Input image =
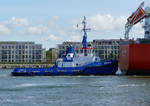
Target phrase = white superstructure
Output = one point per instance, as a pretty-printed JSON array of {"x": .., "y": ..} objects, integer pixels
[
  {"x": 84, "y": 57},
  {"x": 147, "y": 23}
]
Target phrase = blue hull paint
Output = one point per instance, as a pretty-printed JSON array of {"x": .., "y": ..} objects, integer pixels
[{"x": 98, "y": 68}]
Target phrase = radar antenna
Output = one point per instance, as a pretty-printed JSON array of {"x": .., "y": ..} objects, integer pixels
[{"x": 84, "y": 41}]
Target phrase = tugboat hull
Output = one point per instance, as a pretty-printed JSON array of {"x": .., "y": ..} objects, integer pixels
[{"x": 102, "y": 69}]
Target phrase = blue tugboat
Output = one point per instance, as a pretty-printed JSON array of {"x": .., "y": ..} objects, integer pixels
[{"x": 82, "y": 63}]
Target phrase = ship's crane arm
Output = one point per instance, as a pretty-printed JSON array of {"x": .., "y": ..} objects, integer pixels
[{"x": 136, "y": 17}]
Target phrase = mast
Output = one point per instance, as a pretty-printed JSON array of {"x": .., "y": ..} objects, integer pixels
[{"x": 84, "y": 41}]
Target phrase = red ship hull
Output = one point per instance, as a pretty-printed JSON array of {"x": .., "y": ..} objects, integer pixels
[{"x": 134, "y": 59}]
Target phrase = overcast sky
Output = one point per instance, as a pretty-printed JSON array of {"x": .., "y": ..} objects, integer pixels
[{"x": 51, "y": 22}]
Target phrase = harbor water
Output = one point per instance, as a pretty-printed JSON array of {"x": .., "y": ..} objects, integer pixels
[{"x": 74, "y": 90}]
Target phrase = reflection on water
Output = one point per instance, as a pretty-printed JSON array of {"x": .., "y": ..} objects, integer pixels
[{"x": 74, "y": 90}]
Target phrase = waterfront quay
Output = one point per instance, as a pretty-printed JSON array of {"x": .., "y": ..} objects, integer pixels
[{"x": 11, "y": 66}]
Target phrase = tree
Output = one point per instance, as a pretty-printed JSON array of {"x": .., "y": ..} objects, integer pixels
[
  {"x": 49, "y": 56},
  {"x": 111, "y": 56}
]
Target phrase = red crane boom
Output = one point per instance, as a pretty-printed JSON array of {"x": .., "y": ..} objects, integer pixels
[{"x": 136, "y": 17}]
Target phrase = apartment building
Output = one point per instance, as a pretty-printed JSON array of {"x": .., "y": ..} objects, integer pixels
[
  {"x": 21, "y": 52},
  {"x": 106, "y": 48}
]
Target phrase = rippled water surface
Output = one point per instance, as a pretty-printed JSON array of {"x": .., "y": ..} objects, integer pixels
[{"x": 74, "y": 91}]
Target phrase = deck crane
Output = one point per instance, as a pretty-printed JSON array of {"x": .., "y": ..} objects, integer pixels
[{"x": 136, "y": 17}]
